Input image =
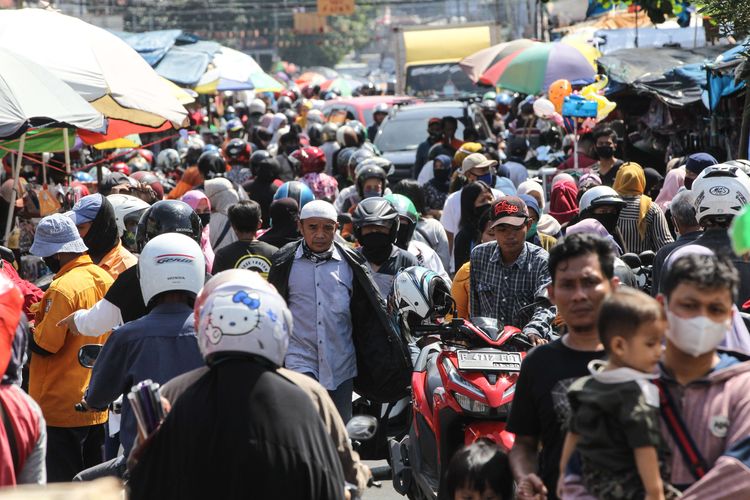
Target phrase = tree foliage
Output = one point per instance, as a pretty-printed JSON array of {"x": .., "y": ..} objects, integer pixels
[{"x": 732, "y": 16}]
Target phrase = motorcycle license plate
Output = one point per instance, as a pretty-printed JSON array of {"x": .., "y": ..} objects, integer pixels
[{"x": 489, "y": 360}]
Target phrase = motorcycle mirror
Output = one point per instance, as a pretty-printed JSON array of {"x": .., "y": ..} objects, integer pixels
[
  {"x": 647, "y": 257},
  {"x": 87, "y": 355},
  {"x": 362, "y": 427},
  {"x": 632, "y": 260}
]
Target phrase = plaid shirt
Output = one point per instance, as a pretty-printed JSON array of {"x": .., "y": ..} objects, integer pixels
[{"x": 502, "y": 292}]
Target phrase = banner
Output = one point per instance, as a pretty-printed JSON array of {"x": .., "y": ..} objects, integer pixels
[
  {"x": 309, "y": 23},
  {"x": 335, "y": 7}
]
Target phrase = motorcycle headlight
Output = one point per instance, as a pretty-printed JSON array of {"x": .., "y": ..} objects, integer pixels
[{"x": 471, "y": 405}]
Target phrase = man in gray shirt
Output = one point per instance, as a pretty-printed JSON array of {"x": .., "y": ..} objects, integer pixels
[{"x": 334, "y": 302}]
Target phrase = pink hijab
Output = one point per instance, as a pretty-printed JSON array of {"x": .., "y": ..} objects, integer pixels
[
  {"x": 673, "y": 182},
  {"x": 193, "y": 198}
]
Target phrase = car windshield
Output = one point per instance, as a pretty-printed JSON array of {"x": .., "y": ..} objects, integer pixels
[{"x": 406, "y": 130}]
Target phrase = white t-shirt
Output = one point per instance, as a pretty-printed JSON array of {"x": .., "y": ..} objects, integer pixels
[
  {"x": 427, "y": 257},
  {"x": 452, "y": 210}
]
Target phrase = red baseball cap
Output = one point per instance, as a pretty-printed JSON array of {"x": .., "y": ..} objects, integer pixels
[{"x": 509, "y": 210}]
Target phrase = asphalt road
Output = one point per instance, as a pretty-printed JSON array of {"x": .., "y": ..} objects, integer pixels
[{"x": 386, "y": 491}]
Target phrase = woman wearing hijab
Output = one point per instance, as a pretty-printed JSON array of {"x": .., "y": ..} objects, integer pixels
[
  {"x": 563, "y": 200},
  {"x": 221, "y": 195},
  {"x": 436, "y": 189},
  {"x": 547, "y": 224},
  {"x": 94, "y": 217},
  {"x": 200, "y": 203},
  {"x": 641, "y": 223},
  {"x": 654, "y": 182},
  {"x": 476, "y": 198},
  {"x": 673, "y": 182},
  {"x": 284, "y": 214},
  {"x": 533, "y": 235}
]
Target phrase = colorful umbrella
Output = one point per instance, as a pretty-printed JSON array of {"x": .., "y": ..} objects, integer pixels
[
  {"x": 98, "y": 65},
  {"x": 46, "y": 140},
  {"x": 477, "y": 63},
  {"x": 342, "y": 86},
  {"x": 533, "y": 69},
  {"x": 32, "y": 97},
  {"x": 310, "y": 78},
  {"x": 263, "y": 82}
]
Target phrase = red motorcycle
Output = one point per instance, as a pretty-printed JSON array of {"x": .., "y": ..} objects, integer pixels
[{"x": 462, "y": 388}]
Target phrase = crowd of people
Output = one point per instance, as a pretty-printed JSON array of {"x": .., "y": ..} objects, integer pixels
[{"x": 248, "y": 271}]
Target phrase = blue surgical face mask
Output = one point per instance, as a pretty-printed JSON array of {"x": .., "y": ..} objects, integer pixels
[
  {"x": 487, "y": 179},
  {"x": 370, "y": 193}
]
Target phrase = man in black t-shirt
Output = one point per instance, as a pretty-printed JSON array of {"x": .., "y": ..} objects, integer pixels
[
  {"x": 247, "y": 252},
  {"x": 582, "y": 269}
]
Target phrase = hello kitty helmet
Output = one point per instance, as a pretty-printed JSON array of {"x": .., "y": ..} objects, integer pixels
[{"x": 238, "y": 311}]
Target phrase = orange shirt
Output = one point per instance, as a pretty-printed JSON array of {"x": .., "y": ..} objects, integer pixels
[
  {"x": 57, "y": 382},
  {"x": 117, "y": 260},
  {"x": 190, "y": 179},
  {"x": 460, "y": 291}
]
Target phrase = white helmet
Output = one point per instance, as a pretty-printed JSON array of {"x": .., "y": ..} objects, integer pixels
[
  {"x": 419, "y": 294},
  {"x": 127, "y": 209},
  {"x": 171, "y": 262},
  {"x": 239, "y": 311},
  {"x": 720, "y": 190},
  {"x": 600, "y": 195},
  {"x": 257, "y": 106}
]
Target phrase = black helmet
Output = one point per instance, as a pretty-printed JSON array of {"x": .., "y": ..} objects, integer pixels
[
  {"x": 370, "y": 172},
  {"x": 168, "y": 216},
  {"x": 358, "y": 157},
  {"x": 329, "y": 131},
  {"x": 342, "y": 160},
  {"x": 263, "y": 165},
  {"x": 193, "y": 153},
  {"x": 238, "y": 150},
  {"x": 283, "y": 103},
  {"x": 359, "y": 129},
  {"x": 315, "y": 133},
  {"x": 211, "y": 163},
  {"x": 375, "y": 161},
  {"x": 375, "y": 211}
]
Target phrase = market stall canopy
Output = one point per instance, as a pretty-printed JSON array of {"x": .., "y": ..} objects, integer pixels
[
  {"x": 32, "y": 97},
  {"x": 46, "y": 140},
  {"x": 676, "y": 76},
  {"x": 723, "y": 79},
  {"x": 98, "y": 65},
  {"x": 151, "y": 45}
]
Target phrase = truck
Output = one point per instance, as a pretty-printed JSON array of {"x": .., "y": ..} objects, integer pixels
[{"x": 427, "y": 57}]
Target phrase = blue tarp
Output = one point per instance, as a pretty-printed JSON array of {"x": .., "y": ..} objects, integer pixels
[
  {"x": 175, "y": 55},
  {"x": 723, "y": 85}
]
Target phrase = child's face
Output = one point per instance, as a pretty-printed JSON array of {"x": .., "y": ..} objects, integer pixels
[
  {"x": 472, "y": 494},
  {"x": 643, "y": 350}
]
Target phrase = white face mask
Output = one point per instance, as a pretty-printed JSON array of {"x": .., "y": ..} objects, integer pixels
[{"x": 695, "y": 336}]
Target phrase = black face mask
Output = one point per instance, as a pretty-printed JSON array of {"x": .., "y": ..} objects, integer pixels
[
  {"x": 205, "y": 218},
  {"x": 609, "y": 221},
  {"x": 478, "y": 211},
  {"x": 53, "y": 263},
  {"x": 404, "y": 235},
  {"x": 442, "y": 175},
  {"x": 605, "y": 152},
  {"x": 376, "y": 247}
]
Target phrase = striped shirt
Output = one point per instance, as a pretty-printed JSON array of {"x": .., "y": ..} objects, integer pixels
[
  {"x": 504, "y": 291},
  {"x": 657, "y": 231}
]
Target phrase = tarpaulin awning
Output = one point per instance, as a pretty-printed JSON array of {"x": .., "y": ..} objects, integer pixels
[
  {"x": 722, "y": 80},
  {"x": 674, "y": 75},
  {"x": 152, "y": 45}
]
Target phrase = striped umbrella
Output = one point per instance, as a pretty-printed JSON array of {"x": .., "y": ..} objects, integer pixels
[
  {"x": 533, "y": 69},
  {"x": 478, "y": 62}
]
